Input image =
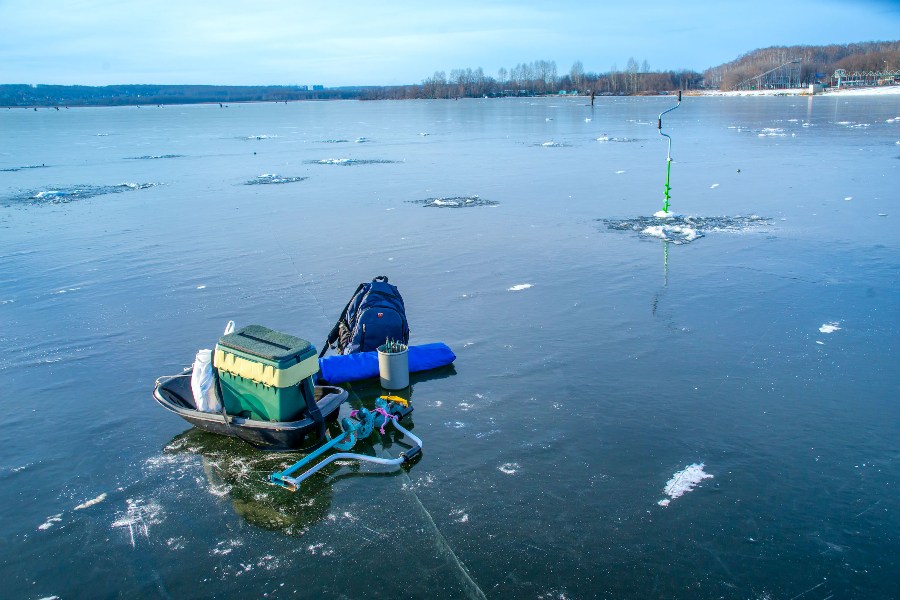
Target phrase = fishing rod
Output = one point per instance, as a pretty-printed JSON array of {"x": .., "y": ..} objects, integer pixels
[{"x": 667, "y": 187}]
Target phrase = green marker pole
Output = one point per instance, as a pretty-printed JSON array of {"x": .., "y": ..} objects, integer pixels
[{"x": 667, "y": 187}]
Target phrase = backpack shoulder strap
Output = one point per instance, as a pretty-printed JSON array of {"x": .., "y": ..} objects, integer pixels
[{"x": 333, "y": 334}]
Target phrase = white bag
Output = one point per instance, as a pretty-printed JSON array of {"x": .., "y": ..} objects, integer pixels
[{"x": 203, "y": 381}]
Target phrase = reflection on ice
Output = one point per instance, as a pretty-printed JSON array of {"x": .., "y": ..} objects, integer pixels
[{"x": 680, "y": 229}]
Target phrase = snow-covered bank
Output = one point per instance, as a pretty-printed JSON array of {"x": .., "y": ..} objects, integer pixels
[{"x": 867, "y": 91}]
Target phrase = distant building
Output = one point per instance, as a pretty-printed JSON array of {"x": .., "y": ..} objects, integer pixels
[{"x": 318, "y": 88}]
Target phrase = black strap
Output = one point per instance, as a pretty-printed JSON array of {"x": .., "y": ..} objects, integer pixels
[
  {"x": 235, "y": 430},
  {"x": 313, "y": 409},
  {"x": 333, "y": 334},
  {"x": 315, "y": 413}
]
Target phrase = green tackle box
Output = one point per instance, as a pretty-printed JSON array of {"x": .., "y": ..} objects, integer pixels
[{"x": 265, "y": 375}]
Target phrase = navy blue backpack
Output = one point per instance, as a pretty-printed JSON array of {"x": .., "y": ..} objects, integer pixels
[{"x": 374, "y": 314}]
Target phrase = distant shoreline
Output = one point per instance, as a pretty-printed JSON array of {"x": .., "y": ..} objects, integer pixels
[{"x": 867, "y": 91}]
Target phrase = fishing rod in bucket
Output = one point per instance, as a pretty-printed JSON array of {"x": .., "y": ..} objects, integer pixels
[{"x": 667, "y": 188}]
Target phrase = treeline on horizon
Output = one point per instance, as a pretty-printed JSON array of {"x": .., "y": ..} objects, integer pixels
[
  {"x": 865, "y": 56},
  {"x": 540, "y": 77}
]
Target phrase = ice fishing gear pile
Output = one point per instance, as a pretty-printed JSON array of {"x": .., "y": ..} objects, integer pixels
[{"x": 359, "y": 426}]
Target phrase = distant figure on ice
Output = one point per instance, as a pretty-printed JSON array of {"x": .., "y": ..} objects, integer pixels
[{"x": 592, "y": 97}]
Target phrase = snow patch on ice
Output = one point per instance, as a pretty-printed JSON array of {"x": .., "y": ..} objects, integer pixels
[
  {"x": 139, "y": 515},
  {"x": 50, "y": 522},
  {"x": 459, "y": 516},
  {"x": 672, "y": 233},
  {"x": 92, "y": 502},
  {"x": 519, "y": 287},
  {"x": 830, "y": 327},
  {"x": 509, "y": 468},
  {"x": 683, "y": 482}
]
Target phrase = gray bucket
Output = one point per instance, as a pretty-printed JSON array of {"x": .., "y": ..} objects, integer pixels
[{"x": 394, "y": 369}]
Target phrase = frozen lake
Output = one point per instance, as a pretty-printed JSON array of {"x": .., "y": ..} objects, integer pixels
[{"x": 712, "y": 416}]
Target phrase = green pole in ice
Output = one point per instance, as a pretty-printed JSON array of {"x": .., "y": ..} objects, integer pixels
[{"x": 667, "y": 187}]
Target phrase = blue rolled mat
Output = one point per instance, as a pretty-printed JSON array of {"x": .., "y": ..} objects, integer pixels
[{"x": 364, "y": 365}]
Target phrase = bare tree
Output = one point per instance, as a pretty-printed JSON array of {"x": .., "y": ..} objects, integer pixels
[{"x": 576, "y": 73}]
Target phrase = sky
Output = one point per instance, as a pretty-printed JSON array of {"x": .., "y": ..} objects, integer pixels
[{"x": 392, "y": 42}]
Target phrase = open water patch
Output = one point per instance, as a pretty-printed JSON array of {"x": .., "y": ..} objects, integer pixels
[
  {"x": 271, "y": 178},
  {"x": 455, "y": 202},
  {"x": 681, "y": 229},
  {"x": 349, "y": 162},
  {"x": 71, "y": 193}
]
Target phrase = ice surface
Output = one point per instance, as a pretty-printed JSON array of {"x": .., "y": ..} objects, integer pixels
[{"x": 683, "y": 482}]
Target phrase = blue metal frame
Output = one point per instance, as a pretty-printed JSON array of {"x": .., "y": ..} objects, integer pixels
[{"x": 357, "y": 428}]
